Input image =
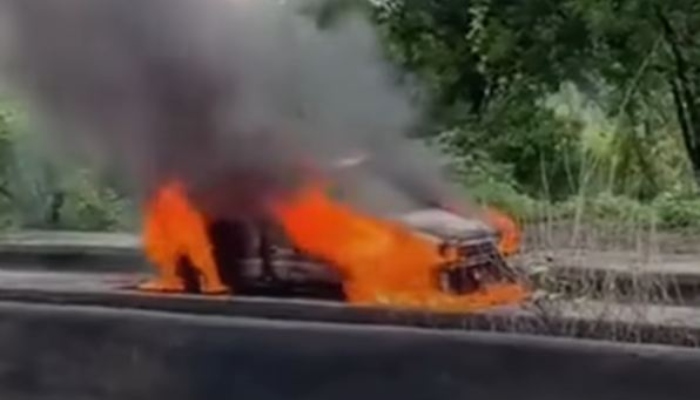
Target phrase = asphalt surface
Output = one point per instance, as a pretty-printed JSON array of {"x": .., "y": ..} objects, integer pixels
[
  {"x": 72, "y": 353},
  {"x": 637, "y": 323},
  {"x": 70, "y": 334}
]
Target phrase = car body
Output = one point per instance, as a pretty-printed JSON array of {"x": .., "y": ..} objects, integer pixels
[{"x": 258, "y": 258}]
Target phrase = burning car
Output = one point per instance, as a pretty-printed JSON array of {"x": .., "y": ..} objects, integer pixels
[{"x": 315, "y": 246}]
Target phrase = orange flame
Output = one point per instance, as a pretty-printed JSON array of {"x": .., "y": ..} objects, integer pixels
[
  {"x": 174, "y": 230},
  {"x": 382, "y": 262},
  {"x": 508, "y": 230}
]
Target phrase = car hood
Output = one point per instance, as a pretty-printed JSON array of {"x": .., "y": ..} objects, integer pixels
[{"x": 445, "y": 224}]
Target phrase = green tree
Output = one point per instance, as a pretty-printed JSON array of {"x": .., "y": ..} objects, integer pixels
[{"x": 490, "y": 63}]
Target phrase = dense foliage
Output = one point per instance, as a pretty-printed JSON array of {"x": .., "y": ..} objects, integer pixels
[{"x": 541, "y": 100}]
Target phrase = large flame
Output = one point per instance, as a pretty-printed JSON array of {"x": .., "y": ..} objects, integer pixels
[
  {"x": 175, "y": 230},
  {"x": 381, "y": 261}
]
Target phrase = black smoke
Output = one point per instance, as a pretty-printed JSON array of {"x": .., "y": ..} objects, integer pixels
[{"x": 238, "y": 98}]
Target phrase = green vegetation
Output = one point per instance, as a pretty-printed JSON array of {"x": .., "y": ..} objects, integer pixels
[
  {"x": 551, "y": 110},
  {"x": 39, "y": 192}
]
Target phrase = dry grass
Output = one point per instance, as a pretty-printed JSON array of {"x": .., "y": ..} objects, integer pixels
[{"x": 622, "y": 280}]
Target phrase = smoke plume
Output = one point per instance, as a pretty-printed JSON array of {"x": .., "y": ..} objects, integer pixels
[{"x": 238, "y": 98}]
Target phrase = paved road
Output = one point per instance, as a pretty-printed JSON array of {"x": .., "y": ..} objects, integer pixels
[
  {"x": 82, "y": 335},
  {"x": 75, "y": 352},
  {"x": 624, "y": 322}
]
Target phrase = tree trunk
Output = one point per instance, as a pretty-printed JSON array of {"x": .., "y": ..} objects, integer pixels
[{"x": 685, "y": 96}]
